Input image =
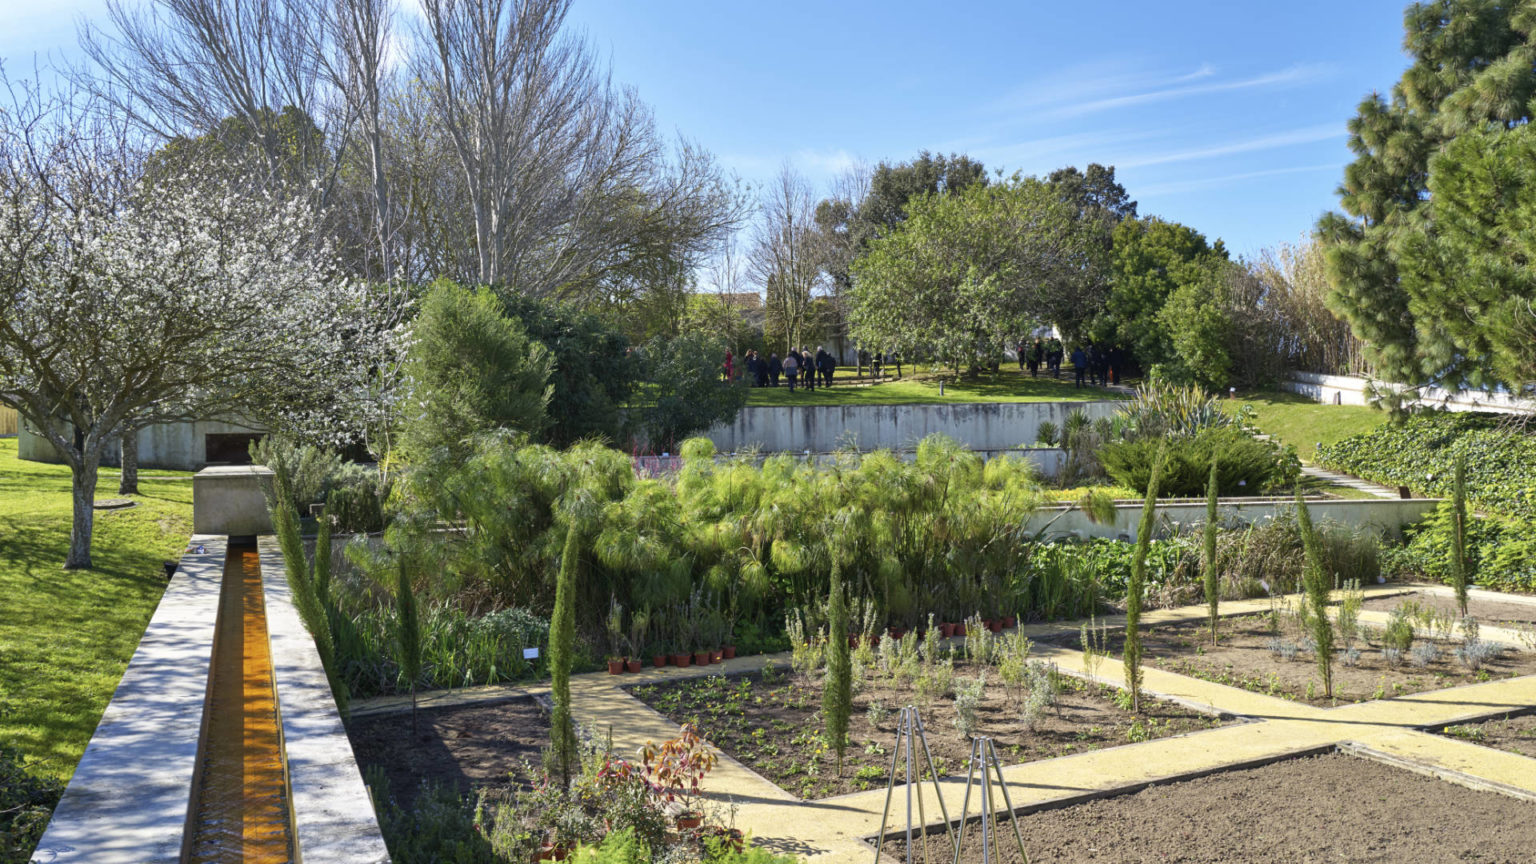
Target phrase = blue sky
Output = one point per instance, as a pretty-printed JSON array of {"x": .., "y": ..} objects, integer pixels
[{"x": 1228, "y": 116}]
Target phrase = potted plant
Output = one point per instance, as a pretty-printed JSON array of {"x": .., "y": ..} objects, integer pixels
[
  {"x": 678, "y": 768},
  {"x": 639, "y": 623}
]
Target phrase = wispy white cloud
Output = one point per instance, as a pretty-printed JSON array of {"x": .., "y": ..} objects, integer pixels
[
  {"x": 1176, "y": 187},
  {"x": 1090, "y": 81},
  {"x": 1305, "y": 135},
  {"x": 1055, "y": 151},
  {"x": 1291, "y": 76}
]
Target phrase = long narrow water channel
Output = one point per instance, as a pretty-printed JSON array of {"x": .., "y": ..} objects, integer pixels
[{"x": 241, "y": 807}]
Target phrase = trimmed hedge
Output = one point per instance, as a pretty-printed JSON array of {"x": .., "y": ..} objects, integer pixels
[{"x": 1420, "y": 453}]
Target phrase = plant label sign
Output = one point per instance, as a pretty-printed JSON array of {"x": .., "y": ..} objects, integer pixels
[{"x": 530, "y": 653}]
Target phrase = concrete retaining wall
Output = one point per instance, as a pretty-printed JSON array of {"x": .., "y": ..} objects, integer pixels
[
  {"x": 333, "y": 815},
  {"x": 824, "y": 428},
  {"x": 170, "y": 446},
  {"x": 1386, "y": 516},
  {"x": 1351, "y": 390},
  {"x": 129, "y": 798},
  {"x": 227, "y": 499}
]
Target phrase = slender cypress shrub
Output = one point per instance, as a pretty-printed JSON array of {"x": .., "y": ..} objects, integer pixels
[
  {"x": 1459, "y": 533},
  {"x": 320, "y": 575},
  {"x": 837, "y": 690},
  {"x": 297, "y": 570},
  {"x": 1212, "y": 578},
  {"x": 1315, "y": 584},
  {"x": 1137, "y": 585},
  {"x": 562, "y": 643},
  {"x": 408, "y": 631}
]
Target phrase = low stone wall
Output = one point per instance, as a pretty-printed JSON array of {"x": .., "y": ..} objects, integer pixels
[
  {"x": 1385, "y": 516},
  {"x": 333, "y": 815},
  {"x": 1351, "y": 390},
  {"x": 227, "y": 499},
  {"x": 129, "y": 799},
  {"x": 825, "y": 428}
]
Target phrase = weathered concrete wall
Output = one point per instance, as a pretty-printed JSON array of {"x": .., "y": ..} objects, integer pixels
[
  {"x": 333, "y": 815},
  {"x": 1350, "y": 390},
  {"x": 823, "y": 428},
  {"x": 128, "y": 800},
  {"x": 170, "y": 446},
  {"x": 1385, "y": 516},
  {"x": 227, "y": 499}
]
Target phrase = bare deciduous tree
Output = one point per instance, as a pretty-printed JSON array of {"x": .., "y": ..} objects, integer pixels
[{"x": 786, "y": 258}]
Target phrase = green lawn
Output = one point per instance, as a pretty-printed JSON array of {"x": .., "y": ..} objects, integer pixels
[
  {"x": 66, "y": 636},
  {"x": 1008, "y": 385},
  {"x": 1295, "y": 419}
]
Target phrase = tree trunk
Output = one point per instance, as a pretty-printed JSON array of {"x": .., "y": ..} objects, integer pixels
[
  {"x": 128, "y": 445},
  {"x": 83, "y": 489}
]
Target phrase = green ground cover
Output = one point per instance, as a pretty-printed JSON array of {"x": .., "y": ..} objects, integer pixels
[
  {"x": 1008, "y": 385},
  {"x": 1295, "y": 419},
  {"x": 66, "y": 636}
]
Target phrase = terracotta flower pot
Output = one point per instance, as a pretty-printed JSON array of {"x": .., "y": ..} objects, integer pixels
[
  {"x": 898, "y": 632},
  {"x": 729, "y": 652},
  {"x": 551, "y": 852},
  {"x": 701, "y": 658},
  {"x": 615, "y": 667},
  {"x": 632, "y": 666},
  {"x": 689, "y": 819},
  {"x": 682, "y": 660},
  {"x": 960, "y": 629},
  {"x": 946, "y": 630},
  {"x": 995, "y": 625},
  {"x": 853, "y": 640},
  {"x": 729, "y": 838},
  {"x": 716, "y": 655},
  {"x": 1010, "y": 620},
  {"x": 659, "y": 660}
]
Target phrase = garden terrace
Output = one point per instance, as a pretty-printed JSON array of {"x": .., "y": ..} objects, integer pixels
[
  {"x": 1330, "y": 807},
  {"x": 1276, "y": 729}
]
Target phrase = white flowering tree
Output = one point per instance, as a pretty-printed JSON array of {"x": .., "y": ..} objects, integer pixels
[{"x": 128, "y": 298}]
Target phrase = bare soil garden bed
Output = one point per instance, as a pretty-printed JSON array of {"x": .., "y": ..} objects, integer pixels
[
  {"x": 1249, "y": 657},
  {"x": 1488, "y": 610},
  {"x": 775, "y": 727},
  {"x": 465, "y": 747},
  {"x": 1325, "y": 808},
  {"x": 1515, "y": 733}
]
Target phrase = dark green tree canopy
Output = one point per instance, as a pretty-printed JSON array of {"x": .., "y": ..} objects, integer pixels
[
  {"x": 1152, "y": 260},
  {"x": 1473, "y": 71}
]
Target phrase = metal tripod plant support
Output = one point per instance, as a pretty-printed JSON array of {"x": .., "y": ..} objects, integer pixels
[
  {"x": 984, "y": 756},
  {"x": 909, "y": 733}
]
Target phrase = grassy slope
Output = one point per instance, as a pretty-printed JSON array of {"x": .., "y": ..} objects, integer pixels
[
  {"x": 1009, "y": 385},
  {"x": 67, "y": 636},
  {"x": 1295, "y": 419}
]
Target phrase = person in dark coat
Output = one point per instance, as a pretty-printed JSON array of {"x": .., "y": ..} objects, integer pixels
[
  {"x": 1023, "y": 355},
  {"x": 1102, "y": 369},
  {"x": 828, "y": 365},
  {"x": 1053, "y": 352},
  {"x": 775, "y": 369},
  {"x": 807, "y": 369},
  {"x": 1079, "y": 364},
  {"x": 791, "y": 368},
  {"x": 1093, "y": 364}
]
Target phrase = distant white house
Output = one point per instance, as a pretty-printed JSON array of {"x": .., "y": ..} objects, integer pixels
[{"x": 171, "y": 446}]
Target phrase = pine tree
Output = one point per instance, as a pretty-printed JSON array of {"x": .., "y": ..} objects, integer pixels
[
  {"x": 1459, "y": 534},
  {"x": 1431, "y": 308},
  {"x": 1212, "y": 578},
  {"x": 1137, "y": 586},
  {"x": 837, "y": 692},
  {"x": 562, "y": 643},
  {"x": 1315, "y": 584}
]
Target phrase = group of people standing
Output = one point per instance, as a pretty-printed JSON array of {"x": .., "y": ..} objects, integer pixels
[
  {"x": 1046, "y": 352},
  {"x": 796, "y": 367},
  {"x": 1098, "y": 364}
]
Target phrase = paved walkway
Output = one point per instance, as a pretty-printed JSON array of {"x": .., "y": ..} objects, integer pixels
[
  {"x": 1373, "y": 489},
  {"x": 830, "y": 830}
]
